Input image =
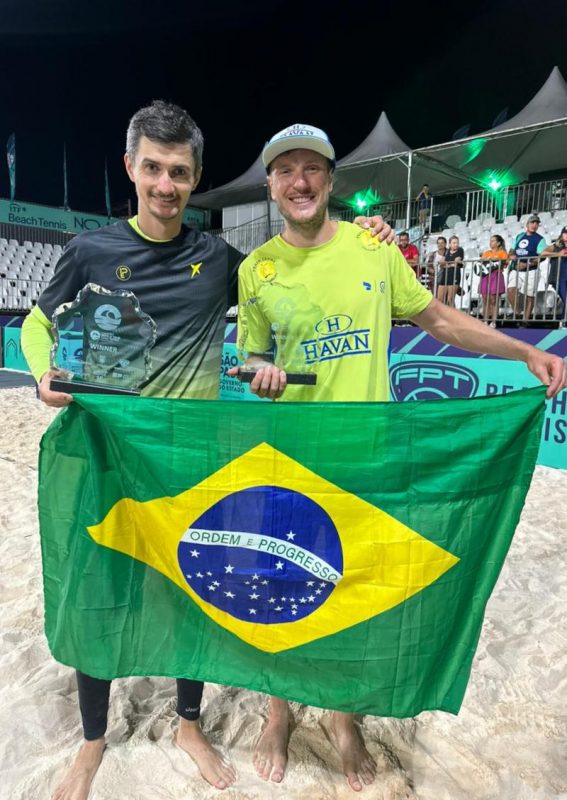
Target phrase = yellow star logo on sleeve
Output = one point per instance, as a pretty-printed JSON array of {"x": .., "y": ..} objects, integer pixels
[
  {"x": 274, "y": 553},
  {"x": 196, "y": 269}
]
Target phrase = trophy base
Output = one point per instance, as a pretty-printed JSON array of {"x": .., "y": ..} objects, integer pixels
[
  {"x": 303, "y": 378},
  {"x": 76, "y": 387}
]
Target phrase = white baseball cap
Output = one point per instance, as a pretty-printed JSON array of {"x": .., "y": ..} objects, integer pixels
[{"x": 295, "y": 137}]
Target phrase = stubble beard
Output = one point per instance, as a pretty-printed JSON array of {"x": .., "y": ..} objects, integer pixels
[{"x": 308, "y": 226}]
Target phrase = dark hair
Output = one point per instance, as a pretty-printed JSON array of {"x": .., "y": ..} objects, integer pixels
[
  {"x": 404, "y": 233},
  {"x": 499, "y": 239},
  {"x": 442, "y": 237},
  {"x": 165, "y": 123}
]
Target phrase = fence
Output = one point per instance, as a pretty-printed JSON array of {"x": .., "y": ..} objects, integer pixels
[
  {"x": 22, "y": 233},
  {"x": 500, "y": 293}
]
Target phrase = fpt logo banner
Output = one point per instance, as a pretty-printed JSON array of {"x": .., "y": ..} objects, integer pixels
[
  {"x": 415, "y": 377},
  {"x": 274, "y": 553},
  {"x": 430, "y": 380}
]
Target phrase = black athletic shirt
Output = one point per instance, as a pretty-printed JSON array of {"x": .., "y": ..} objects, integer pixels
[{"x": 185, "y": 285}]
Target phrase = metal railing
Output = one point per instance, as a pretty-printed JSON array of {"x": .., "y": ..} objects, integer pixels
[
  {"x": 524, "y": 291},
  {"x": 22, "y": 233},
  {"x": 521, "y": 199}
]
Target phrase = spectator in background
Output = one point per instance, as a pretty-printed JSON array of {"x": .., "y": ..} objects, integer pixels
[
  {"x": 409, "y": 251},
  {"x": 449, "y": 278},
  {"x": 424, "y": 202},
  {"x": 523, "y": 273},
  {"x": 492, "y": 283},
  {"x": 435, "y": 258},
  {"x": 557, "y": 253}
]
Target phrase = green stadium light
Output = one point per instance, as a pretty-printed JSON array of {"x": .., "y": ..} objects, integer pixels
[
  {"x": 364, "y": 199},
  {"x": 494, "y": 185}
]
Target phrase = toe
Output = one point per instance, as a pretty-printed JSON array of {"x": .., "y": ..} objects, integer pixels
[
  {"x": 277, "y": 775},
  {"x": 354, "y": 782}
]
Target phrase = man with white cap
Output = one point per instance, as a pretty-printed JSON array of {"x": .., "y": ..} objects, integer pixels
[
  {"x": 523, "y": 272},
  {"x": 320, "y": 298}
]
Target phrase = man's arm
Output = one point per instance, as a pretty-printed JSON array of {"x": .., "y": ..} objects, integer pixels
[
  {"x": 36, "y": 344},
  {"x": 460, "y": 330}
]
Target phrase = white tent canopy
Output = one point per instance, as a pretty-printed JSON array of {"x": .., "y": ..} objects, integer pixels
[
  {"x": 381, "y": 141},
  {"x": 247, "y": 188},
  {"x": 531, "y": 142},
  {"x": 549, "y": 104}
]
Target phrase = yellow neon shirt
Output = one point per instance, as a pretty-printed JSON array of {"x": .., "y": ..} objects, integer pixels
[{"x": 328, "y": 310}]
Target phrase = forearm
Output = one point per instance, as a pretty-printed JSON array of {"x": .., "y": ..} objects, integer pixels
[
  {"x": 458, "y": 329},
  {"x": 36, "y": 342}
]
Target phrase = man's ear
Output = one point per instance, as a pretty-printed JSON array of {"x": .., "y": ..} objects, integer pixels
[
  {"x": 129, "y": 166},
  {"x": 197, "y": 178}
]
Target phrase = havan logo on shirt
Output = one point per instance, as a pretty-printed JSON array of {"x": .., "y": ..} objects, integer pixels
[{"x": 335, "y": 340}]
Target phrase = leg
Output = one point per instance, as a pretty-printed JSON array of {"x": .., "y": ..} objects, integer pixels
[
  {"x": 93, "y": 703},
  {"x": 190, "y": 738},
  {"x": 358, "y": 765},
  {"x": 270, "y": 753},
  {"x": 485, "y": 304},
  {"x": 451, "y": 292},
  {"x": 528, "y": 306}
]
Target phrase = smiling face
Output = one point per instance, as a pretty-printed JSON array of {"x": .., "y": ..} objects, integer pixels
[
  {"x": 300, "y": 182},
  {"x": 404, "y": 240},
  {"x": 164, "y": 176}
]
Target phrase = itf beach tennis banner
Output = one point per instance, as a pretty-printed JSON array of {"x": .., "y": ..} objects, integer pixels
[{"x": 340, "y": 555}]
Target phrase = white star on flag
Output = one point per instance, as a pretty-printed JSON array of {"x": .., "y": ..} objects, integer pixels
[
  {"x": 229, "y": 568},
  {"x": 279, "y": 564},
  {"x": 290, "y": 536},
  {"x": 195, "y": 553}
]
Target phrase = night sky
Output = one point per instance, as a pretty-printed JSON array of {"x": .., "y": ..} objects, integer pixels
[{"x": 74, "y": 71}]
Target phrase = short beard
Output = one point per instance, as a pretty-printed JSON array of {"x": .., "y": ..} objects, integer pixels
[{"x": 309, "y": 226}]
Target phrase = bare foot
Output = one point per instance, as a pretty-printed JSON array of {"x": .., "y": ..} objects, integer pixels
[
  {"x": 270, "y": 753},
  {"x": 357, "y": 762},
  {"x": 77, "y": 782},
  {"x": 210, "y": 763}
]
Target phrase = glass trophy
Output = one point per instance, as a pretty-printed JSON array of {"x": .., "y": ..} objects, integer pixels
[{"x": 102, "y": 343}]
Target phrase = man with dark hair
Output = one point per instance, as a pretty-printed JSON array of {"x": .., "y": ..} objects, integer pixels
[
  {"x": 409, "y": 251},
  {"x": 185, "y": 280},
  {"x": 320, "y": 298}
]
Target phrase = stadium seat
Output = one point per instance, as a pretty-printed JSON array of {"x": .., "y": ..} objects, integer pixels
[{"x": 453, "y": 220}]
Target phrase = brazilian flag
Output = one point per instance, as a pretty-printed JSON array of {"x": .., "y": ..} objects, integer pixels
[{"x": 340, "y": 555}]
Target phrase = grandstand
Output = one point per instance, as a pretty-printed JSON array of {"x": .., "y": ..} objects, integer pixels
[{"x": 25, "y": 270}]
